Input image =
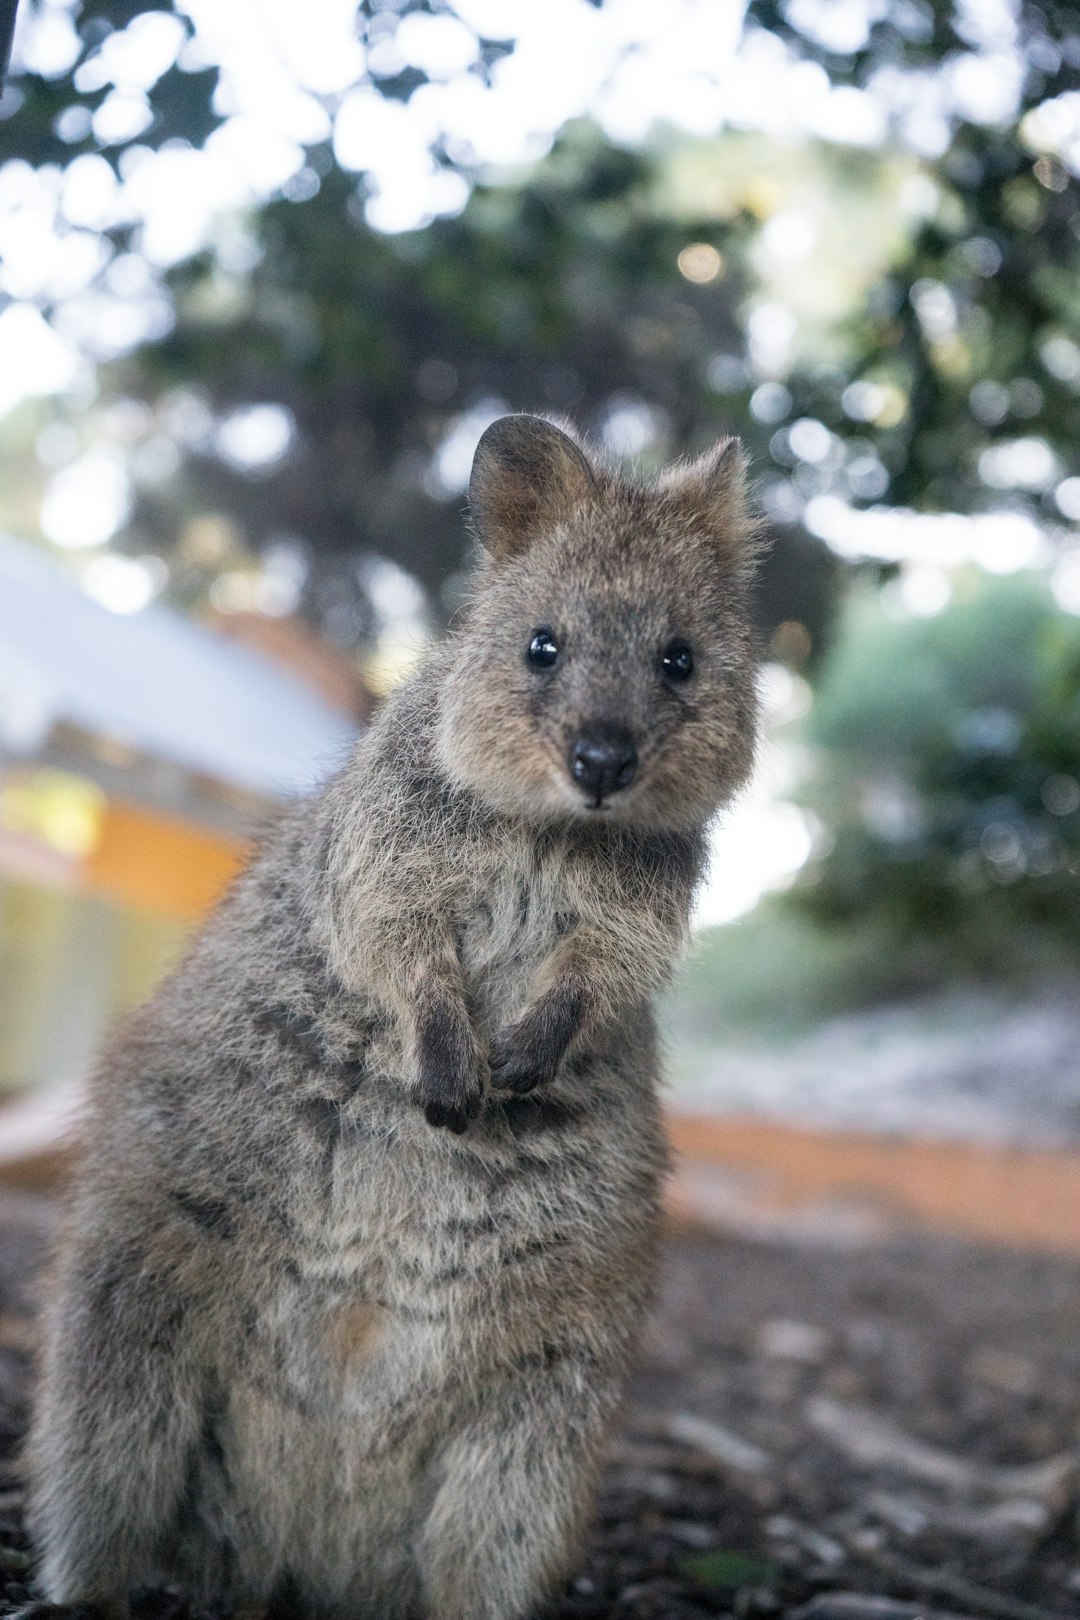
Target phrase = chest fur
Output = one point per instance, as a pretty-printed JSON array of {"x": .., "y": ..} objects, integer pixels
[{"x": 522, "y": 900}]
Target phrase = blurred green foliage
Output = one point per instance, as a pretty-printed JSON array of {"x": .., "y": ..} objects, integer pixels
[
  {"x": 728, "y": 1569},
  {"x": 976, "y": 321},
  {"x": 776, "y": 972},
  {"x": 554, "y": 292},
  {"x": 947, "y": 749},
  {"x": 560, "y": 290},
  {"x": 946, "y": 771}
]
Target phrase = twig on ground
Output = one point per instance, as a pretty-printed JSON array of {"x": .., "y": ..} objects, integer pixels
[
  {"x": 867, "y": 1437},
  {"x": 718, "y": 1443}
]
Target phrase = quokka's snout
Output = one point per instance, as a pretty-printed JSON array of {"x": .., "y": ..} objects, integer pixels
[{"x": 603, "y": 759}]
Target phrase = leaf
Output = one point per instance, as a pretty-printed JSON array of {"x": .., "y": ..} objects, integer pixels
[{"x": 728, "y": 1568}]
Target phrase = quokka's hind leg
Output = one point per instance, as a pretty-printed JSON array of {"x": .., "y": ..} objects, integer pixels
[
  {"x": 118, "y": 1412},
  {"x": 515, "y": 1491}
]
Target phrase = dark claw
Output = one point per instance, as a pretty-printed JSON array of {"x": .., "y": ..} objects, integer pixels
[
  {"x": 445, "y": 1114},
  {"x": 450, "y": 1108},
  {"x": 515, "y": 1073}
]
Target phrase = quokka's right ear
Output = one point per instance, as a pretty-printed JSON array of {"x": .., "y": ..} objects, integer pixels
[
  {"x": 527, "y": 475},
  {"x": 712, "y": 492}
]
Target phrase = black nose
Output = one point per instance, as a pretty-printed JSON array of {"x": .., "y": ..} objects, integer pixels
[{"x": 603, "y": 760}]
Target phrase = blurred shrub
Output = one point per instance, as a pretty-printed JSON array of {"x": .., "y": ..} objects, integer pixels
[
  {"x": 305, "y": 388},
  {"x": 774, "y": 974},
  {"x": 946, "y": 772}
]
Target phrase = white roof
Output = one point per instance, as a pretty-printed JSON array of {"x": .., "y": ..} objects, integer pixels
[{"x": 156, "y": 681}]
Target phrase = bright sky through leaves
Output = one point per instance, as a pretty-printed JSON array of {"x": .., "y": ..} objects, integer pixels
[{"x": 71, "y": 299}]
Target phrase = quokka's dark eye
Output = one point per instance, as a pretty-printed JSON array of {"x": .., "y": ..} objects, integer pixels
[
  {"x": 543, "y": 649},
  {"x": 677, "y": 661}
]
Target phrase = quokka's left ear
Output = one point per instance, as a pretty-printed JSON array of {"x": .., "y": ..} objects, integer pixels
[
  {"x": 528, "y": 475},
  {"x": 712, "y": 492}
]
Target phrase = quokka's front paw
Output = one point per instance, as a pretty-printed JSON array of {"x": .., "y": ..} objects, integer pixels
[
  {"x": 519, "y": 1064},
  {"x": 450, "y": 1106},
  {"x": 449, "y": 1082}
]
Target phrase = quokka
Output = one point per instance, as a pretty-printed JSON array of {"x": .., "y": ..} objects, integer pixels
[{"x": 364, "y": 1229}]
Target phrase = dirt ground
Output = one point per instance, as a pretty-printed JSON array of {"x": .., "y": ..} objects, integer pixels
[{"x": 814, "y": 1428}]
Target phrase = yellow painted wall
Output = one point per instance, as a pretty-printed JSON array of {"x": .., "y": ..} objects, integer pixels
[
  {"x": 70, "y": 963},
  {"x": 89, "y": 939}
]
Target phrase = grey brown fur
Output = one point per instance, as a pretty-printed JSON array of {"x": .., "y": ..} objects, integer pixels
[{"x": 307, "y": 1344}]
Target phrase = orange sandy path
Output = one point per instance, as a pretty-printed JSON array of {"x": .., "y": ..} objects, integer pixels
[
  {"x": 738, "y": 1173},
  {"x": 1020, "y": 1197}
]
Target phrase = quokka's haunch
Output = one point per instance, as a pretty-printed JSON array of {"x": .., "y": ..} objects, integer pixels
[{"x": 364, "y": 1230}]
